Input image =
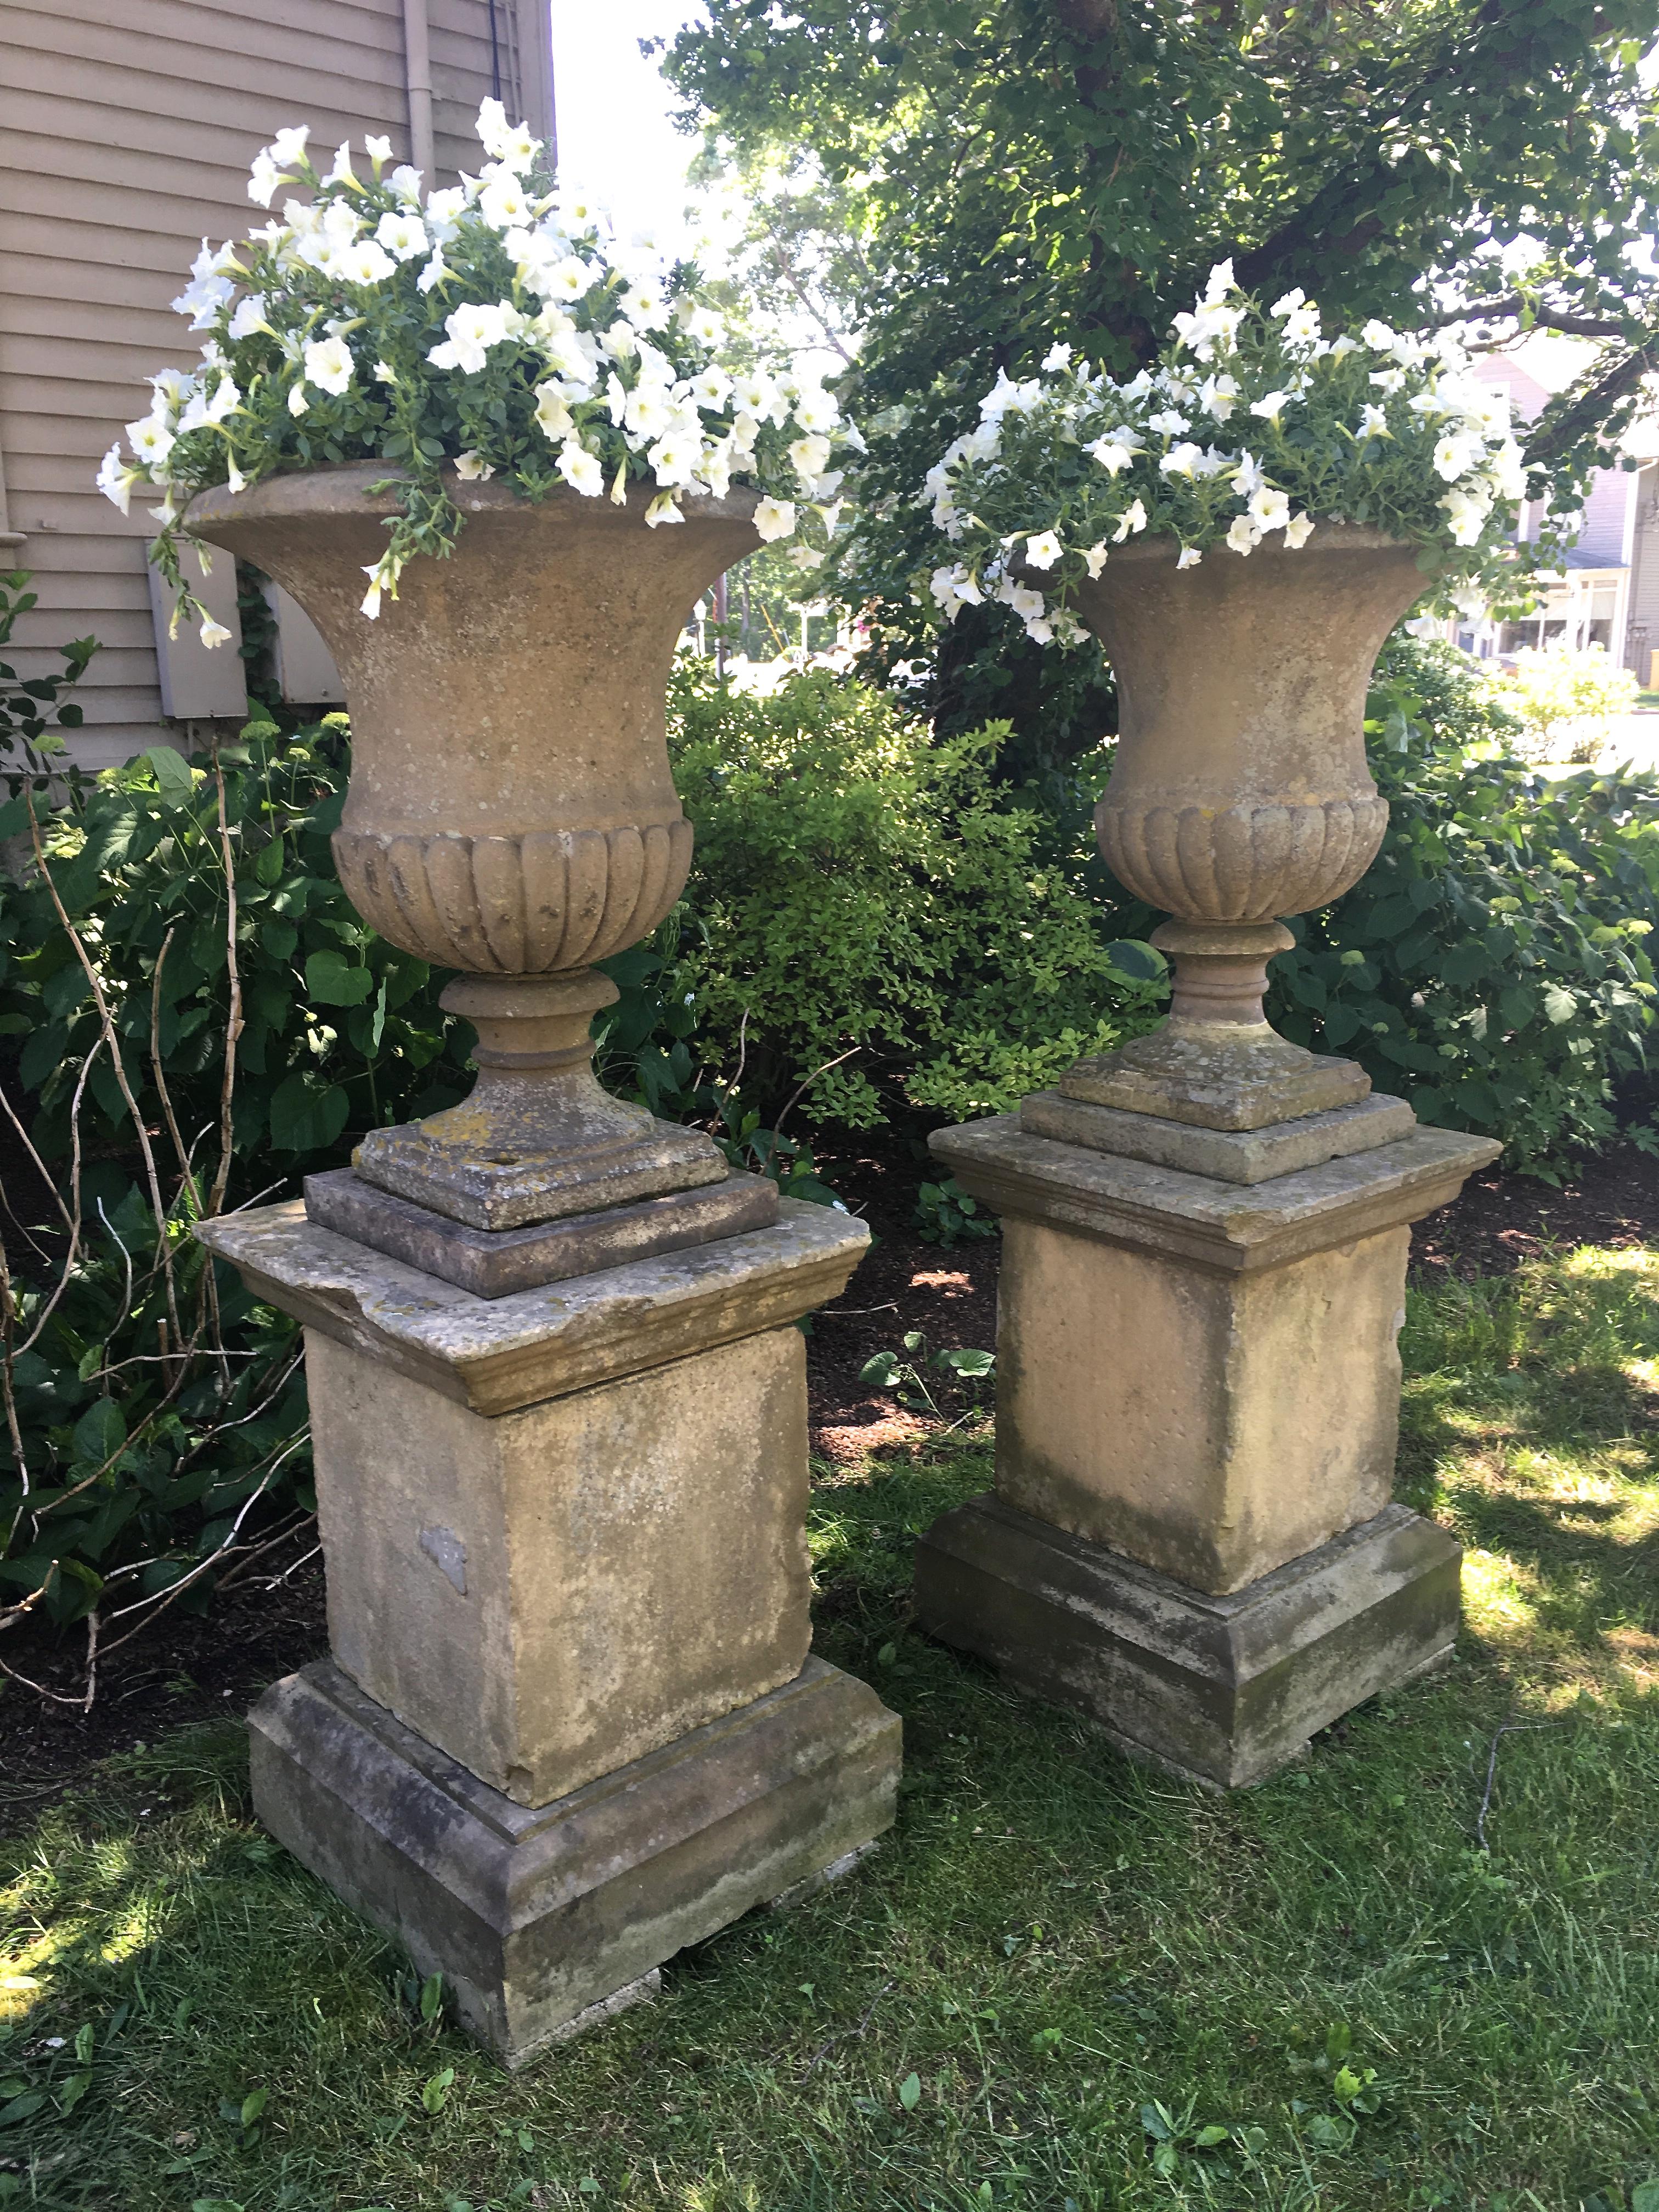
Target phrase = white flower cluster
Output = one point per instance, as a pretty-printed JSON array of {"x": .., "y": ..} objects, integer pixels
[
  {"x": 617, "y": 374},
  {"x": 1252, "y": 425}
]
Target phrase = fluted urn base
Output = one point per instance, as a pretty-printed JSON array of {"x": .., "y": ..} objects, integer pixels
[
  {"x": 537, "y": 1139},
  {"x": 1216, "y": 1062}
]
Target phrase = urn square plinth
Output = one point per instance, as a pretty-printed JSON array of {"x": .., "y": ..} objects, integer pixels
[
  {"x": 571, "y": 1720},
  {"x": 1197, "y": 1380}
]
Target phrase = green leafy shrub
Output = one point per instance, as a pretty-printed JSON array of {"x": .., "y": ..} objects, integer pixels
[
  {"x": 33, "y": 717},
  {"x": 1564, "y": 701},
  {"x": 1493, "y": 964},
  {"x": 339, "y": 1031},
  {"x": 878, "y": 921}
]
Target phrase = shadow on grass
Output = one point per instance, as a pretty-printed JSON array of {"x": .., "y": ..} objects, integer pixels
[{"x": 1064, "y": 1981}]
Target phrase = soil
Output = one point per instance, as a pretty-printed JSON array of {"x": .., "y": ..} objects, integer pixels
[{"x": 193, "y": 1668}]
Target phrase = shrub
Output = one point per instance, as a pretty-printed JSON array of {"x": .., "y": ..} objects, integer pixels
[
  {"x": 1565, "y": 701},
  {"x": 1493, "y": 964},
  {"x": 875, "y": 919}
]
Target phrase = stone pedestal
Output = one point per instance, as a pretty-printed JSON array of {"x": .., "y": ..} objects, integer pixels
[
  {"x": 570, "y": 1722},
  {"x": 1197, "y": 1411}
]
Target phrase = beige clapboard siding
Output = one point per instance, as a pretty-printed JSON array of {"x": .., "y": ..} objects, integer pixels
[{"x": 128, "y": 131}]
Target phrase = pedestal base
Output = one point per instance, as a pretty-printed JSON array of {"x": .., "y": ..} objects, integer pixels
[
  {"x": 542, "y": 1920},
  {"x": 1224, "y": 1690}
]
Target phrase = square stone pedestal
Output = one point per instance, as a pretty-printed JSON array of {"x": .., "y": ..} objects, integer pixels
[
  {"x": 1198, "y": 1391},
  {"x": 564, "y": 1532}
]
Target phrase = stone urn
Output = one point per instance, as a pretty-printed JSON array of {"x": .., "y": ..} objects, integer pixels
[
  {"x": 1240, "y": 793},
  {"x": 512, "y": 813}
]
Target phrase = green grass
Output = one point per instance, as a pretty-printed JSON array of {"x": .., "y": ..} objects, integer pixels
[{"x": 1054, "y": 1939}]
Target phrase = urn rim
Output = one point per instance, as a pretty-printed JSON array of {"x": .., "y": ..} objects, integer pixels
[
  {"x": 1162, "y": 550},
  {"x": 342, "y": 488}
]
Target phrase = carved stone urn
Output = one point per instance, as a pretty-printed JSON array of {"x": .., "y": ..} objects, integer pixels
[
  {"x": 1240, "y": 794},
  {"x": 511, "y": 813}
]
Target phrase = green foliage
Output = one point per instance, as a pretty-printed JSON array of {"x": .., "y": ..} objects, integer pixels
[
  {"x": 31, "y": 714},
  {"x": 878, "y": 923},
  {"x": 1492, "y": 965},
  {"x": 340, "y": 1031},
  {"x": 1565, "y": 701},
  {"x": 946, "y": 1214},
  {"x": 1002, "y": 176}
]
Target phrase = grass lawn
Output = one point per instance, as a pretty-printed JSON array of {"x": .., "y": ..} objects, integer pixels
[{"x": 1065, "y": 1983}]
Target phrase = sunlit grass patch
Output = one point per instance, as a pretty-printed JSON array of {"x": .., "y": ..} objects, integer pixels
[{"x": 1064, "y": 1981}]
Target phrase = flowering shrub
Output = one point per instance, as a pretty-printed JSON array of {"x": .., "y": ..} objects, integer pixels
[
  {"x": 1565, "y": 701},
  {"x": 492, "y": 330},
  {"x": 1255, "y": 422}
]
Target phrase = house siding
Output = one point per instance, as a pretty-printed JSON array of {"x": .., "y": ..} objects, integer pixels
[{"x": 126, "y": 134}]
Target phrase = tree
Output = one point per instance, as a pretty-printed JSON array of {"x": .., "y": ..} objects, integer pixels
[{"x": 1015, "y": 171}]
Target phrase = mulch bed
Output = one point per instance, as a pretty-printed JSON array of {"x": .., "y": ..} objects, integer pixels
[{"x": 190, "y": 1668}]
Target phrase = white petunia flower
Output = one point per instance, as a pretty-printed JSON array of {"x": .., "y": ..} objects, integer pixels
[
  {"x": 1132, "y": 520},
  {"x": 808, "y": 457},
  {"x": 646, "y": 306},
  {"x": 712, "y": 389},
  {"x": 214, "y": 634},
  {"x": 816, "y": 411},
  {"x": 504, "y": 204},
  {"x": 1182, "y": 461},
  {"x": 1377, "y": 335},
  {"x": 703, "y": 324},
  {"x": 379, "y": 151},
  {"x": 1288, "y": 302},
  {"x": 1509, "y": 472},
  {"x": 1248, "y": 475},
  {"x": 405, "y": 183},
  {"x": 447, "y": 207},
  {"x": 402, "y": 236},
  {"x": 1343, "y": 344},
  {"x": 1269, "y": 509},
  {"x": 674, "y": 459},
  {"x": 341, "y": 172},
  {"x": 1190, "y": 557},
  {"x": 1095, "y": 558},
  {"x": 1218, "y": 396},
  {"x": 553, "y": 416},
  {"x": 250, "y": 316},
  {"x": 1298, "y": 530},
  {"x": 571, "y": 278},
  {"x": 1272, "y": 405},
  {"x": 1374, "y": 422},
  {"x": 1453, "y": 457},
  {"x": 471, "y": 466},
  {"x": 1301, "y": 329},
  {"x": 774, "y": 519},
  {"x": 297, "y": 402},
  {"x": 802, "y": 557},
  {"x": 1043, "y": 551},
  {"x": 1389, "y": 379},
  {"x": 1243, "y": 536},
  {"x": 1168, "y": 424},
  {"x": 1058, "y": 357},
  {"x": 366, "y": 262},
  {"x": 580, "y": 470},
  {"x": 1114, "y": 452},
  {"x": 115, "y": 480},
  {"x": 328, "y": 364},
  {"x": 473, "y": 330},
  {"x": 151, "y": 442},
  {"x": 509, "y": 143}
]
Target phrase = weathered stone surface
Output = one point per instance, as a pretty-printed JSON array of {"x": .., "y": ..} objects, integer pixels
[
  {"x": 1212, "y": 1425},
  {"x": 537, "y": 1917},
  {"x": 1223, "y": 1689},
  {"x": 498, "y": 1354},
  {"x": 1215, "y": 1079},
  {"x": 1244, "y": 1156},
  {"x": 494, "y": 1263},
  {"x": 511, "y": 812},
  {"x": 1237, "y": 1227},
  {"x": 549, "y": 1594}
]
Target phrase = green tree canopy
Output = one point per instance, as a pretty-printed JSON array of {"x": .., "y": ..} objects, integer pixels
[{"x": 1012, "y": 171}]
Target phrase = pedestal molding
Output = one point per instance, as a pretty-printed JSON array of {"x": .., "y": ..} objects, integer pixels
[
  {"x": 1231, "y": 1227},
  {"x": 499, "y": 1354}
]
